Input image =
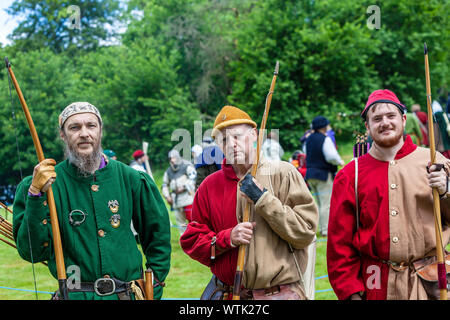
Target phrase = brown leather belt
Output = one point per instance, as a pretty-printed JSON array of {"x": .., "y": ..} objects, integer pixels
[
  {"x": 246, "y": 294},
  {"x": 397, "y": 266}
]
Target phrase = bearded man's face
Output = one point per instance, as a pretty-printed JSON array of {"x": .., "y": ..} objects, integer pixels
[
  {"x": 82, "y": 135},
  {"x": 385, "y": 124}
]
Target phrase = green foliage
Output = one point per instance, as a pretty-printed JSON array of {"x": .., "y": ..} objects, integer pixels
[
  {"x": 47, "y": 83},
  {"x": 181, "y": 61},
  {"x": 53, "y": 24},
  {"x": 134, "y": 86},
  {"x": 330, "y": 60}
]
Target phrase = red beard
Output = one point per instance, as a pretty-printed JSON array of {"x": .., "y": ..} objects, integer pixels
[{"x": 389, "y": 141}]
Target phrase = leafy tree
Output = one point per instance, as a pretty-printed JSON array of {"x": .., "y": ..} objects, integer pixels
[
  {"x": 202, "y": 33},
  {"x": 136, "y": 89},
  {"x": 330, "y": 60},
  {"x": 47, "y": 83},
  {"x": 63, "y": 25},
  {"x": 181, "y": 61}
]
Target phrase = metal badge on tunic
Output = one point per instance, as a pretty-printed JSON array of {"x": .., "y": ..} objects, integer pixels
[
  {"x": 113, "y": 205},
  {"x": 76, "y": 217},
  {"x": 115, "y": 220}
]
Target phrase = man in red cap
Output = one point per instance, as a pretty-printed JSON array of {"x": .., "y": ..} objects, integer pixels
[
  {"x": 139, "y": 160},
  {"x": 381, "y": 219}
]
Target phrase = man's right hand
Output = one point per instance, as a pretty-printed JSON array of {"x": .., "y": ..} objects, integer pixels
[
  {"x": 43, "y": 176},
  {"x": 242, "y": 233}
]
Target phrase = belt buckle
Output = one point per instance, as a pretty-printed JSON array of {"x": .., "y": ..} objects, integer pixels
[
  {"x": 100, "y": 280},
  {"x": 399, "y": 266}
]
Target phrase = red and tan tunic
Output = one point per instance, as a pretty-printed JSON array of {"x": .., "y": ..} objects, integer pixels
[{"x": 396, "y": 224}]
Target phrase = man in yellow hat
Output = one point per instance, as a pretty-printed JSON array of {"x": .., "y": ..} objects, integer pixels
[{"x": 282, "y": 213}]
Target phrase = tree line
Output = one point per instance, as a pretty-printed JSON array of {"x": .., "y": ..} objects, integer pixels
[{"x": 154, "y": 66}]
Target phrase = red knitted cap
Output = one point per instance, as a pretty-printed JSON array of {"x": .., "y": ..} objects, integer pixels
[
  {"x": 137, "y": 154},
  {"x": 382, "y": 96}
]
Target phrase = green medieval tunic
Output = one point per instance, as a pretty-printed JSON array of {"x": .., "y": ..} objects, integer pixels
[{"x": 97, "y": 246}]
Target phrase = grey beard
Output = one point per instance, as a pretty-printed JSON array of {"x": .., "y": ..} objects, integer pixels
[{"x": 86, "y": 165}]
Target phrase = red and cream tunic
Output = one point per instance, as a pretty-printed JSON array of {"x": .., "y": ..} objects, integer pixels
[{"x": 396, "y": 224}]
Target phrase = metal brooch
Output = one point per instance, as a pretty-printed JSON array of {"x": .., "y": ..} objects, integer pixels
[
  {"x": 113, "y": 205},
  {"x": 115, "y": 220},
  {"x": 76, "y": 217}
]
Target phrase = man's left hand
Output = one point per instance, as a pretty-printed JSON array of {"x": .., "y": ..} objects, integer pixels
[
  {"x": 438, "y": 179},
  {"x": 251, "y": 189}
]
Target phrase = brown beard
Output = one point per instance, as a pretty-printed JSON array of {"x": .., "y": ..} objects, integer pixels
[
  {"x": 389, "y": 142},
  {"x": 86, "y": 164}
]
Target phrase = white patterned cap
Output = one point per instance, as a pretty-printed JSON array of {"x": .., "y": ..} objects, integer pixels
[{"x": 78, "y": 107}]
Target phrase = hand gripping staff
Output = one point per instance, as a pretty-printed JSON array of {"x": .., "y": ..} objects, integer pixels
[
  {"x": 60, "y": 267},
  {"x": 242, "y": 248},
  {"x": 442, "y": 277}
]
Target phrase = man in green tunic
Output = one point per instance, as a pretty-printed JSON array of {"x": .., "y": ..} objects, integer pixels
[{"x": 96, "y": 200}]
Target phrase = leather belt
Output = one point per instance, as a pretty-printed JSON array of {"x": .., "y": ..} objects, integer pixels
[
  {"x": 103, "y": 286},
  {"x": 397, "y": 266},
  {"x": 246, "y": 294}
]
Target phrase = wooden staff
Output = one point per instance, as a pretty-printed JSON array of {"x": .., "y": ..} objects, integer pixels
[
  {"x": 442, "y": 277},
  {"x": 148, "y": 284},
  {"x": 59, "y": 257},
  {"x": 246, "y": 216}
]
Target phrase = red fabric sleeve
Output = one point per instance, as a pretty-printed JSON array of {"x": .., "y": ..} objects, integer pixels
[
  {"x": 343, "y": 260},
  {"x": 196, "y": 240}
]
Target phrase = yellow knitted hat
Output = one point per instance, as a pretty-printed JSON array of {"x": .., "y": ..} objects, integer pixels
[{"x": 229, "y": 116}]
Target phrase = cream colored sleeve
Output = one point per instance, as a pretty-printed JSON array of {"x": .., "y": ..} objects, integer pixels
[{"x": 291, "y": 212}]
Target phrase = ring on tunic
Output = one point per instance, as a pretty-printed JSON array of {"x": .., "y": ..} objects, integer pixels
[{"x": 77, "y": 214}]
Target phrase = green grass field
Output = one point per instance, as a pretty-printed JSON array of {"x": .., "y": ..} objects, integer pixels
[{"x": 187, "y": 278}]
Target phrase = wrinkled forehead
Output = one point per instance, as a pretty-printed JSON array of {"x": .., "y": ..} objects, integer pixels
[
  {"x": 237, "y": 130},
  {"x": 82, "y": 118}
]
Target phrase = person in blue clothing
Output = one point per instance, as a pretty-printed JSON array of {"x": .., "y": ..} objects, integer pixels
[
  {"x": 322, "y": 160},
  {"x": 209, "y": 161}
]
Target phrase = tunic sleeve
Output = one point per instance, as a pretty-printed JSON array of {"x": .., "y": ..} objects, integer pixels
[
  {"x": 294, "y": 215},
  {"x": 31, "y": 233},
  {"x": 151, "y": 221},
  {"x": 343, "y": 260},
  {"x": 196, "y": 240}
]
